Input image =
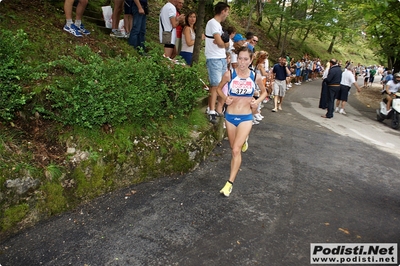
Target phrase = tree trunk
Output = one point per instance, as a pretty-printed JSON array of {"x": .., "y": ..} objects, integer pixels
[
  {"x": 259, "y": 7},
  {"x": 305, "y": 35},
  {"x": 284, "y": 42},
  {"x": 271, "y": 27},
  {"x": 395, "y": 64},
  {"x": 278, "y": 42},
  {"x": 330, "y": 49},
  {"x": 199, "y": 30},
  {"x": 249, "y": 18},
  {"x": 309, "y": 26}
]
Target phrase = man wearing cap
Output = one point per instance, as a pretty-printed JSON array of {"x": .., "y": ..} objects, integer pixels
[
  {"x": 238, "y": 41},
  {"x": 333, "y": 82}
]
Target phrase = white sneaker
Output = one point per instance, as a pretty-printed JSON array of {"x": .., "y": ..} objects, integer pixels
[
  {"x": 342, "y": 112},
  {"x": 117, "y": 34},
  {"x": 337, "y": 110},
  {"x": 258, "y": 117},
  {"x": 289, "y": 85},
  {"x": 255, "y": 122}
]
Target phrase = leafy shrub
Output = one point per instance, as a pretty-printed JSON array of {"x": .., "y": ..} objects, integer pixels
[
  {"x": 13, "y": 72},
  {"x": 94, "y": 91}
]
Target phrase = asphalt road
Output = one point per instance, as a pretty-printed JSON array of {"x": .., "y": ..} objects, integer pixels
[{"x": 303, "y": 180}]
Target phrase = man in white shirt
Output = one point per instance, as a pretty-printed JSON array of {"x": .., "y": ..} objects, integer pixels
[
  {"x": 345, "y": 85},
  {"x": 392, "y": 87},
  {"x": 168, "y": 22},
  {"x": 215, "y": 52}
]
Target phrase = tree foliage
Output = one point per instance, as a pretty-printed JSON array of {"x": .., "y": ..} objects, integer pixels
[{"x": 382, "y": 25}]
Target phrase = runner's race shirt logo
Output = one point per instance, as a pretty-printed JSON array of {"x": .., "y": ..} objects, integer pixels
[{"x": 353, "y": 253}]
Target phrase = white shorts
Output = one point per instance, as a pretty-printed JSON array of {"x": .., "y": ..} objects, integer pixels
[{"x": 279, "y": 88}]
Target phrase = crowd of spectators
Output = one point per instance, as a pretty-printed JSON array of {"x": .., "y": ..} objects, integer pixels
[{"x": 241, "y": 80}]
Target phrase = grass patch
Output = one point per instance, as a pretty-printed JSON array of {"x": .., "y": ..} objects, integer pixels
[{"x": 14, "y": 215}]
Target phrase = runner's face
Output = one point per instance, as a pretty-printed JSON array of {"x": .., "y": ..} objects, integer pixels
[{"x": 244, "y": 59}]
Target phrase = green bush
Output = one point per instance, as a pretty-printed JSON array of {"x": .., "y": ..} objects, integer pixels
[
  {"x": 13, "y": 72},
  {"x": 94, "y": 91}
]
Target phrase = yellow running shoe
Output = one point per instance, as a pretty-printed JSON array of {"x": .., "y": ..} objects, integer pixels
[
  {"x": 227, "y": 189},
  {"x": 245, "y": 145}
]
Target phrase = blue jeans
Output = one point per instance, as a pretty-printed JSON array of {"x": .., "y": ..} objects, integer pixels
[{"x": 137, "y": 35}]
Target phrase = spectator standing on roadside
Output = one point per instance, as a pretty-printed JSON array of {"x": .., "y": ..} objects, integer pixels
[
  {"x": 372, "y": 75},
  {"x": 366, "y": 77},
  {"x": 238, "y": 41},
  {"x": 118, "y": 7},
  {"x": 249, "y": 40},
  {"x": 77, "y": 29},
  {"x": 128, "y": 17},
  {"x": 323, "y": 100},
  {"x": 280, "y": 72},
  {"x": 216, "y": 54},
  {"x": 140, "y": 10},
  {"x": 254, "y": 42},
  {"x": 179, "y": 28},
  {"x": 168, "y": 22},
  {"x": 357, "y": 70},
  {"x": 230, "y": 49},
  {"x": 297, "y": 66},
  {"x": 345, "y": 85},
  {"x": 333, "y": 81},
  {"x": 188, "y": 37}
]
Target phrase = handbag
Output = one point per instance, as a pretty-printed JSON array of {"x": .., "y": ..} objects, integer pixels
[{"x": 166, "y": 36}]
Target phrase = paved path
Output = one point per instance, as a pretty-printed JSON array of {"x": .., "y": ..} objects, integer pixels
[{"x": 303, "y": 180}]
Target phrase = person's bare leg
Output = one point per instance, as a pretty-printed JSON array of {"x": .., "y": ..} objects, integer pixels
[
  {"x": 276, "y": 102},
  {"x": 213, "y": 98},
  {"x": 128, "y": 20},
  {"x": 389, "y": 103},
  {"x": 343, "y": 104},
  {"x": 68, "y": 8},
  {"x": 80, "y": 9},
  {"x": 280, "y": 102},
  {"x": 168, "y": 52},
  {"x": 118, "y": 8},
  {"x": 237, "y": 136}
]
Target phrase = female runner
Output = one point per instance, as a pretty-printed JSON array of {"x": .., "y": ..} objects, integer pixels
[{"x": 240, "y": 102}]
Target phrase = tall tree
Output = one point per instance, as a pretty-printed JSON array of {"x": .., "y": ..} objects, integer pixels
[{"x": 382, "y": 28}]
